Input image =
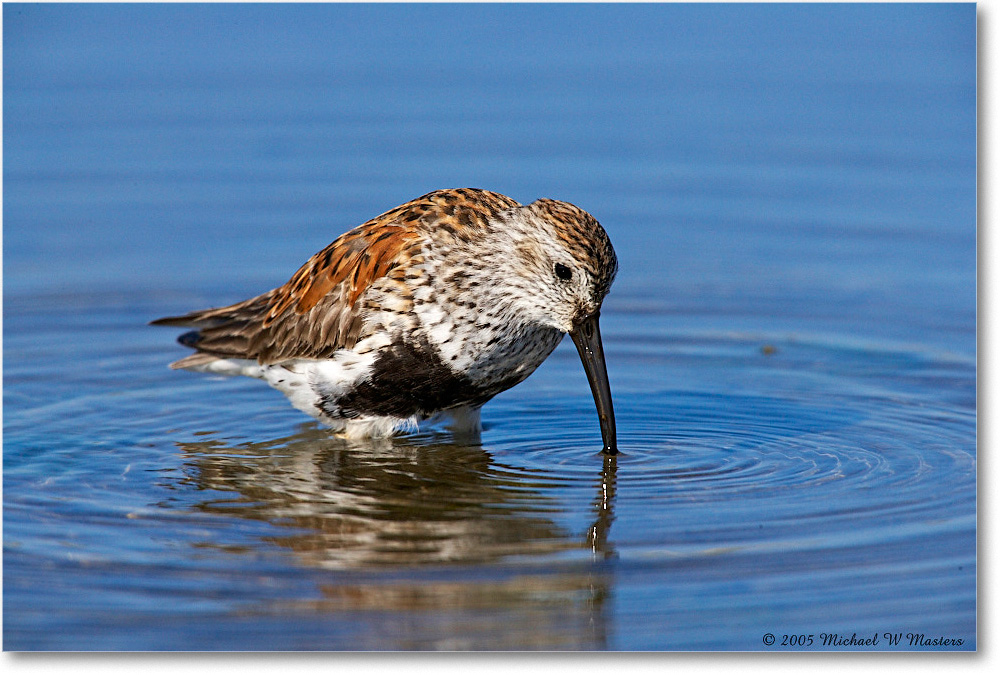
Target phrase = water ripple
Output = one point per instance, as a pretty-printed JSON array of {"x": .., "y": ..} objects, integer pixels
[{"x": 826, "y": 458}]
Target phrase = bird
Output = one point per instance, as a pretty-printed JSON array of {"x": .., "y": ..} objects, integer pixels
[{"x": 423, "y": 313}]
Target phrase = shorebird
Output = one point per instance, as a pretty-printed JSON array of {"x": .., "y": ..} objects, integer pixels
[{"x": 425, "y": 312}]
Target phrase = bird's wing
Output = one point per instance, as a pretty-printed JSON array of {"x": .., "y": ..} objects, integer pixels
[
  {"x": 311, "y": 316},
  {"x": 317, "y": 312}
]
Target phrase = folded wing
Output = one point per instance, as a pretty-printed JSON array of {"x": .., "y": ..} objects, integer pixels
[{"x": 313, "y": 315}]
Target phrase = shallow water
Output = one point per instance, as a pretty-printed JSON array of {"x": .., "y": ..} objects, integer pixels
[{"x": 791, "y": 340}]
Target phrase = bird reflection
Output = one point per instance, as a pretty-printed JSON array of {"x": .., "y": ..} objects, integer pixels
[
  {"x": 390, "y": 501},
  {"x": 359, "y": 503},
  {"x": 418, "y": 501}
]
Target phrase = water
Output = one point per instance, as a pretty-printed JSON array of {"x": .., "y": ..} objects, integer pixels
[{"x": 791, "y": 340}]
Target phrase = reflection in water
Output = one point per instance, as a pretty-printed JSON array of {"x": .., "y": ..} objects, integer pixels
[
  {"x": 376, "y": 506},
  {"x": 597, "y": 536},
  {"x": 389, "y": 501}
]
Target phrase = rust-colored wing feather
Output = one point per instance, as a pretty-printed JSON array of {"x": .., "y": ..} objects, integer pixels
[{"x": 354, "y": 260}]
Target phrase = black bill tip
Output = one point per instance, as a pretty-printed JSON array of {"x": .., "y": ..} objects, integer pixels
[{"x": 587, "y": 338}]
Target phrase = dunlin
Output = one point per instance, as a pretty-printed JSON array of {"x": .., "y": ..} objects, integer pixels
[{"x": 427, "y": 311}]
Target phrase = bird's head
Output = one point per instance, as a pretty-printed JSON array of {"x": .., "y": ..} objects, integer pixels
[{"x": 564, "y": 266}]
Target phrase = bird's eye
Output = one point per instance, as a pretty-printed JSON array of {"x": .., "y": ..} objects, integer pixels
[{"x": 563, "y": 272}]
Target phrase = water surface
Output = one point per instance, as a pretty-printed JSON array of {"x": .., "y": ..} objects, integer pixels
[{"x": 791, "y": 338}]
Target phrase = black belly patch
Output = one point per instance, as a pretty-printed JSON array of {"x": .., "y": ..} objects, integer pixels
[{"x": 411, "y": 379}]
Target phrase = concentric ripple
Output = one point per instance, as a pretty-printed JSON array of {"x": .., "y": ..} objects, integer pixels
[{"x": 848, "y": 443}]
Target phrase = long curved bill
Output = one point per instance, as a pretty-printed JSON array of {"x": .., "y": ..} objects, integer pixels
[{"x": 587, "y": 338}]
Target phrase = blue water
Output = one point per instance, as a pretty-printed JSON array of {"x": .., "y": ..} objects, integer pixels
[{"x": 791, "y": 339}]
